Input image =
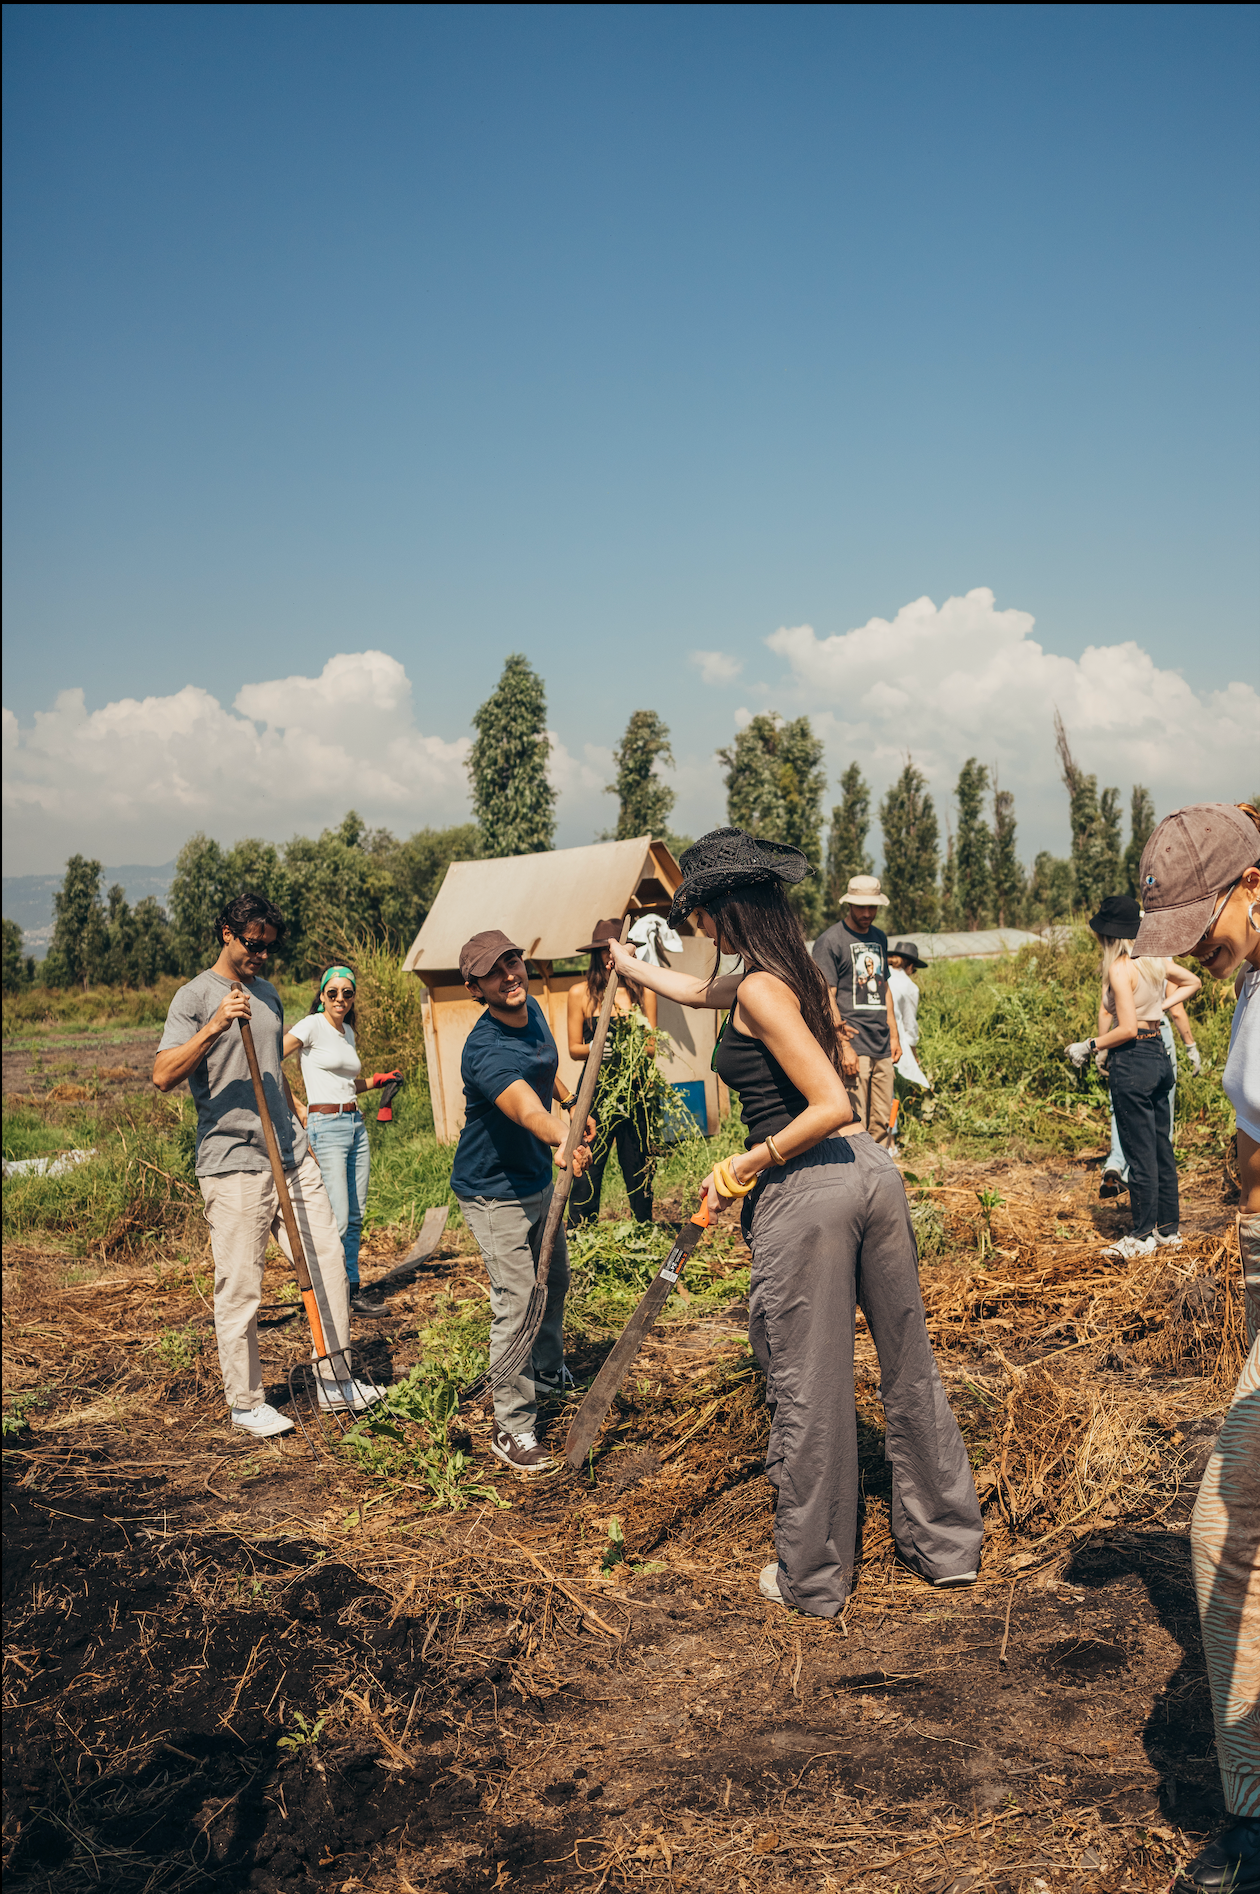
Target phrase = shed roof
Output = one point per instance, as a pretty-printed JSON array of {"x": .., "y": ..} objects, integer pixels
[
  {"x": 981, "y": 943},
  {"x": 548, "y": 903}
]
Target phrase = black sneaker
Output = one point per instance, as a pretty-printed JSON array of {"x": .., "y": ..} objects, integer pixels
[
  {"x": 1111, "y": 1185},
  {"x": 521, "y": 1452},
  {"x": 362, "y": 1304},
  {"x": 1228, "y": 1865}
]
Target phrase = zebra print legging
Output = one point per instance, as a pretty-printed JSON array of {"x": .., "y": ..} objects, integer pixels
[{"x": 1225, "y": 1552}]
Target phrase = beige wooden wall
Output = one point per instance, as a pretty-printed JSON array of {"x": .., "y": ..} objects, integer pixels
[{"x": 450, "y": 1015}]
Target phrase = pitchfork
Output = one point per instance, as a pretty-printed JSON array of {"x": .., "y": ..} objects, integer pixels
[
  {"x": 521, "y": 1347},
  {"x": 305, "y": 1378}
]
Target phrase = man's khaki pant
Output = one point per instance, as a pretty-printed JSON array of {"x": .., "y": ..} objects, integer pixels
[
  {"x": 870, "y": 1091},
  {"x": 243, "y": 1211}
]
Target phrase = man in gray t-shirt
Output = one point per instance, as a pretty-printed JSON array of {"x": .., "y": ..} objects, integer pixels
[{"x": 202, "y": 1043}]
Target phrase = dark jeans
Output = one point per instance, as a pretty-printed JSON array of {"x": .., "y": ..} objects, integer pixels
[
  {"x": 1141, "y": 1079},
  {"x": 637, "y": 1167}
]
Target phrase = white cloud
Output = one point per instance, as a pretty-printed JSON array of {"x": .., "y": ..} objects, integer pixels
[
  {"x": 583, "y": 776},
  {"x": 966, "y": 679},
  {"x": 717, "y": 667},
  {"x": 132, "y": 780}
]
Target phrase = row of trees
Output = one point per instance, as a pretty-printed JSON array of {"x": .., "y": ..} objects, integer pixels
[{"x": 353, "y": 879}]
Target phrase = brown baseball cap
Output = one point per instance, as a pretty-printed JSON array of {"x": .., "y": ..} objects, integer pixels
[
  {"x": 1189, "y": 862},
  {"x": 479, "y": 954}
]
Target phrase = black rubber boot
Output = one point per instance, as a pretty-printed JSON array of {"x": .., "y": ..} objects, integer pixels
[{"x": 1228, "y": 1865}]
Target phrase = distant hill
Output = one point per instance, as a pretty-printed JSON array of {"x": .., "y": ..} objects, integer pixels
[{"x": 28, "y": 899}]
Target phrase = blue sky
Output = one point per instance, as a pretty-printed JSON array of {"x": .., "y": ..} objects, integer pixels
[{"x": 615, "y": 335}]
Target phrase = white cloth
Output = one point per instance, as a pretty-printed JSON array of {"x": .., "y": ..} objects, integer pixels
[
  {"x": 1242, "y": 1067},
  {"x": 330, "y": 1064},
  {"x": 905, "y": 998},
  {"x": 649, "y": 935}
]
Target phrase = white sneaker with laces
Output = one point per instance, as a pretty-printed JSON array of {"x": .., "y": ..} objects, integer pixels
[
  {"x": 955, "y": 1578},
  {"x": 1173, "y": 1241},
  {"x": 768, "y": 1584},
  {"x": 1130, "y": 1247},
  {"x": 263, "y": 1422},
  {"x": 346, "y": 1397}
]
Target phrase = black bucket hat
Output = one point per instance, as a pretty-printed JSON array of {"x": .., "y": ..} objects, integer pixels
[
  {"x": 908, "y": 950},
  {"x": 1118, "y": 918},
  {"x": 727, "y": 859}
]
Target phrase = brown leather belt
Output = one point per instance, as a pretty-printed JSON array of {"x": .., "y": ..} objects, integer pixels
[
  {"x": 333, "y": 1108},
  {"x": 1143, "y": 1032}
]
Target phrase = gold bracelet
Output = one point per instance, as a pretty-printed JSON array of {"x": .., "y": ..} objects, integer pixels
[
  {"x": 776, "y": 1156},
  {"x": 728, "y": 1183}
]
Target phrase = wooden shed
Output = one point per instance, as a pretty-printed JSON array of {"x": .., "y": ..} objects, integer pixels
[{"x": 550, "y": 904}]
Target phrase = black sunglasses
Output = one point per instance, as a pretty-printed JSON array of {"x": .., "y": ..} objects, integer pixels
[{"x": 258, "y": 947}]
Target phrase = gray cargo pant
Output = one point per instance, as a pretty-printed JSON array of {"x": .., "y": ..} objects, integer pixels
[
  {"x": 509, "y": 1232},
  {"x": 831, "y": 1231}
]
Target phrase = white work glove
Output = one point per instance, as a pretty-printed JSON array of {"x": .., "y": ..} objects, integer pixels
[
  {"x": 1195, "y": 1058},
  {"x": 1079, "y": 1052}
]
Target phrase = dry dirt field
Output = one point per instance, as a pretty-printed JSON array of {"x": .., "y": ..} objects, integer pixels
[{"x": 495, "y": 1710}]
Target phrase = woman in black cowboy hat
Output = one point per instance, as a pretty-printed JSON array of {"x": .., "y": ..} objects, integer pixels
[
  {"x": 828, "y": 1224},
  {"x": 626, "y": 1123}
]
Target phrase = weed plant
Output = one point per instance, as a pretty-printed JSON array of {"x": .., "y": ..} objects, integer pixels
[
  {"x": 612, "y": 1263},
  {"x": 138, "y": 1190}
]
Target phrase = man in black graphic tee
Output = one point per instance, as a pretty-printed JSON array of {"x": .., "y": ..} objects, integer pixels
[{"x": 854, "y": 958}]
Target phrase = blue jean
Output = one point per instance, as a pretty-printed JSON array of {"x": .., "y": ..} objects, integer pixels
[
  {"x": 1116, "y": 1160},
  {"x": 340, "y": 1145},
  {"x": 1141, "y": 1079}
]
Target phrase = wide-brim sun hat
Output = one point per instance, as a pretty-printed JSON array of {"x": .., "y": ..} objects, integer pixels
[
  {"x": 907, "y": 950},
  {"x": 1189, "y": 862},
  {"x": 1118, "y": 918},
  {"x": 728, "y": 859},
  {"x": 605, "y": 931},
  {"x": 864, "y": 891}
]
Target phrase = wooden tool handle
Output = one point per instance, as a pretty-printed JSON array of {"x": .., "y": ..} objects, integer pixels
[{"x": 282, "y": 1188}]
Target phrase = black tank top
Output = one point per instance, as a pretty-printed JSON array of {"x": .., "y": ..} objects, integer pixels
[{"x": 767, "y": 1096}]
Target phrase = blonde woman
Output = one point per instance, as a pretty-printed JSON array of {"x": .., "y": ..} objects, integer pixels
[{"x": 1135, "y": 993}]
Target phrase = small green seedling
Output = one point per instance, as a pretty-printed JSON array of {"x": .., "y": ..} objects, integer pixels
[
  {"x": 989, "y": 1201},
  {"x": 303, "y": 1734},
  {"x": 615, "y": 1550},
  {"x": 177, "y": 1349}
]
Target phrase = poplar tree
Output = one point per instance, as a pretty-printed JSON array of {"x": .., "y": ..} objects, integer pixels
[
  {"x": 911, "y": 852},
  {"x": 1008, "y": 875},
  {"x": 76, "y": 953},
  {"x": 846, "y": 844},
  {"x": 973, "y": 876},
  {"x": 507, "y": 766},
  {"x": 1095, "y": 828},
  {"x": 644, "y": 800},
  {"x": 1141, "y": 828},
  {"x": 774, "y": 789}
]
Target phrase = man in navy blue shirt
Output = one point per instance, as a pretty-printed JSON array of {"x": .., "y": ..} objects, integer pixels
[{"x": 502, "y": 1177}]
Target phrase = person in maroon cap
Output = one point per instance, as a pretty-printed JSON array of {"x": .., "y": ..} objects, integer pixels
[
  {"x": 502, "y": 1178},
  {"x": 1199, "y": 885}
]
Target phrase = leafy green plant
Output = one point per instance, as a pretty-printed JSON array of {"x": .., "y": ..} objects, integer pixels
[
  {"x": 178, "y": 1349},
  {"x": 304, "y": 1733},
  {"x": 989, "y": 1201},
  {"x": 615, "y": 1550},
  {"x": 14, "y": 1419}
]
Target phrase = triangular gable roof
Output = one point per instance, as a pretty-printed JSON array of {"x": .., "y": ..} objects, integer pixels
[{"x": 549, "y": 903}]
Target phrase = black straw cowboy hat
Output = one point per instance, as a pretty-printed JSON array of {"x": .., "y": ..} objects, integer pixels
[
  {"x": 907, "y": 950},
  {"x": 727, "y": 859}
]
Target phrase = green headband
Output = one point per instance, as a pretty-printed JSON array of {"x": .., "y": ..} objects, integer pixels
[{"x": 332, "y": 975}]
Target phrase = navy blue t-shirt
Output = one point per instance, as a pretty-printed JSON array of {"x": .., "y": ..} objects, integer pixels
[{"x": 497, "y": 1158}]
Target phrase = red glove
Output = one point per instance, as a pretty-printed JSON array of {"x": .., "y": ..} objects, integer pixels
[{"x": 379, "y": 1078}]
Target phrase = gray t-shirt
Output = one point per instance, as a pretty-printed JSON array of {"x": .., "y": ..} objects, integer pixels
[{"x": 229, "y": 1130}]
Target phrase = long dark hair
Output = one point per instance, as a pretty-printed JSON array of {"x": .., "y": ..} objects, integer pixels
[
  {"x": 597, "y": 980},
  {"x": 757, "y": 923}
]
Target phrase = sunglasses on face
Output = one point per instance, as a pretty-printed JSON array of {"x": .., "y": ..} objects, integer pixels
[
  {"x": 256, "y": 948},
  {"x": 338, "y": 992}
]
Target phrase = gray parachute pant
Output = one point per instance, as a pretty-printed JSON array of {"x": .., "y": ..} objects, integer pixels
[{"x": 829, "y": 1231}]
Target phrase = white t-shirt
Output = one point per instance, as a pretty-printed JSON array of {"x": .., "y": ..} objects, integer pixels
[
  {"x": 1242, "y": 1067},
  {"x": 330, "y": 1064},
  {"x": 905, "y": 1005}
]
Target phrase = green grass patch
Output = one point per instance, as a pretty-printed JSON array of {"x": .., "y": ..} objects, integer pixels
[{"x": 138, "y": 1191}]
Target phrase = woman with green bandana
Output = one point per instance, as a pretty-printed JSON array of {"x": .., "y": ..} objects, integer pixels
[{"x": 333, "y": 1078}]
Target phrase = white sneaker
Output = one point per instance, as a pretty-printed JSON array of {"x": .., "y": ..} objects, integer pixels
[
  {"x": 347, "y": 1397},
  {"x": 263, "y": 1422},
  {"x": 955, "y": 1578},
  {"x": 1130, "y": 1247},
  {"x": 1173, "y": 1241},
  {"x": 768, "y": 1584}
]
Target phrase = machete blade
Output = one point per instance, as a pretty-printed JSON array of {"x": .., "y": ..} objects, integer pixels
[{"x": 591, "y": 1415}]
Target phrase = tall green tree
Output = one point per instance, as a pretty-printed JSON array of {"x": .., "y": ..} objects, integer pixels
[
  {"x": 949, "y": 917},
  {"x": 1141, "y": 828},
  {"x": 973, "y": 879},
  {"x": 76, "y": 954},
  {"x": 644, "y": 801},
  {"x": 1095, "y": 828},
  {"x": 911, "y": 852},
  {"x": 197, "y": 894},
  {"x": 1051, "y": 890},
  {"x": 774, "y": 789},
  {"x": 846, "y": 842},
  {"x": 415, "y": 870},
  {"x": 507, "y": 766},
  {"x": 18, "y": 968},
  {"x": 1008, "y": 874}
]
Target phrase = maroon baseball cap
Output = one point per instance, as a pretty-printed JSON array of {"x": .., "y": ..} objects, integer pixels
[
  {"x": 479, "y": 954},
  {"x": 1189, "y": 862}
]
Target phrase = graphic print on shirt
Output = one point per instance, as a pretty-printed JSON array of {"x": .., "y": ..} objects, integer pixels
[{"x": 868, "y": 979}]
